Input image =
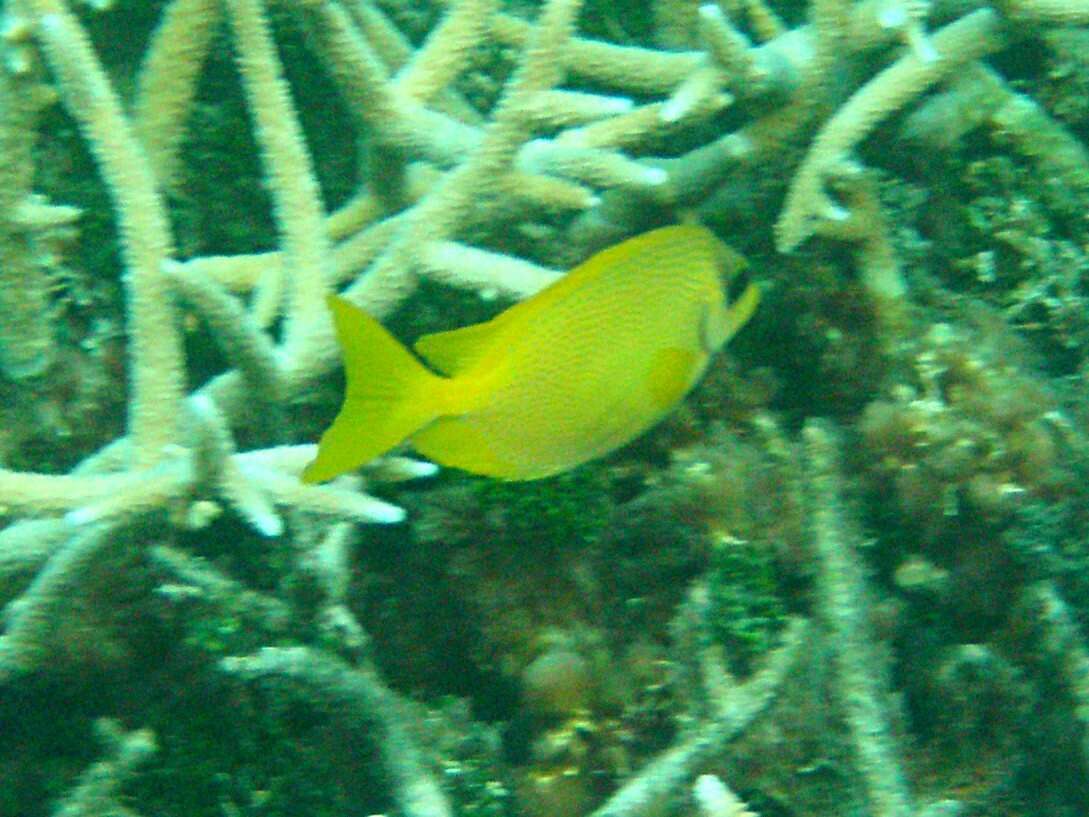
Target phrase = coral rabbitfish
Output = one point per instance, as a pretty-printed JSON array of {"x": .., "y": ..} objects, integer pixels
[{"x": 570, "y": 374}]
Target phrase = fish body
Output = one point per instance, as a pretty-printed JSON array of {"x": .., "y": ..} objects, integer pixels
[{"x": 566, "y": 376}]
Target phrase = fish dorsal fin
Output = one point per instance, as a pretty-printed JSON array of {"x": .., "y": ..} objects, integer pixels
[{"x": 459, "y": 349}]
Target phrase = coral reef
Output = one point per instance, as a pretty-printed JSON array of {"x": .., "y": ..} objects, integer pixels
[{"x": 850, "y": 575}]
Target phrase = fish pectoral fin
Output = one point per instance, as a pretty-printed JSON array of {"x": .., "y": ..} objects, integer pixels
[
  {"x": 458, "y": 442},
  {"x": 672, "y": 371},
  {"x": 459, "y": 349}
]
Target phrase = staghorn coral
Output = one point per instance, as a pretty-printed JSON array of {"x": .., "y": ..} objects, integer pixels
[{"x": 428, "y": 160}]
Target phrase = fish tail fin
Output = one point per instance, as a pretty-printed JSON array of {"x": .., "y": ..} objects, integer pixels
[{"x": 389, "y": 395}]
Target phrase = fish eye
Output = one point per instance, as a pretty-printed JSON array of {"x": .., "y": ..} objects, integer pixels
[{"x": 737, "y": 285}]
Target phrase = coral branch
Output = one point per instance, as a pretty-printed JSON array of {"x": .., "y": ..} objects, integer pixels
[
  {"x": 357, "y": 695},
  {"x": 155, "y": 346},
  {"x": 841, "y": 595}
]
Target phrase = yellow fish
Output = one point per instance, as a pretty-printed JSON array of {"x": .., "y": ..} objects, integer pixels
[{"x": 570, "y": 374}]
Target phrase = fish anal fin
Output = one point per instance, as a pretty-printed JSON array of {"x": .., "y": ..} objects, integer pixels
[
  {"x": 458, "y": 442},
  {"x": 460, "y": 349},
  {"x": 672, "y": 371}
]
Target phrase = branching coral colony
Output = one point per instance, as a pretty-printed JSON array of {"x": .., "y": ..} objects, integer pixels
[{"x": 585, "y": 140}]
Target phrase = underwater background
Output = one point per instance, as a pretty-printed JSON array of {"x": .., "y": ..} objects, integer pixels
[{"x": 847, "y": 575}]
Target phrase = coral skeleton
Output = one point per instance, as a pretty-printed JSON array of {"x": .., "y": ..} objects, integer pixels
[{"x": 491, "y": 148}]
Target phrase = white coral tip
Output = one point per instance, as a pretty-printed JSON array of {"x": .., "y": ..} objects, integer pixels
[{"x": 655, "y": 176}]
